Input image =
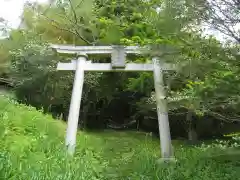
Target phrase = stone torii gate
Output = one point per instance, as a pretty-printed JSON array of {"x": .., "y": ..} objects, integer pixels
[{"x": 118, "y": 55}]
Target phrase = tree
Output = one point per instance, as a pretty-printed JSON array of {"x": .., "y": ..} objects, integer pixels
[
  {"x": 70, "y": 22},
  {"x": 223, "y": 16},
  {"x": 174, "y": 33},
  {"x": 200, "y": 59}
]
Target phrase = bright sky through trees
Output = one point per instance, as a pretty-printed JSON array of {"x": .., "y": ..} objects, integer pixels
[{"x": 11, "y": 10}]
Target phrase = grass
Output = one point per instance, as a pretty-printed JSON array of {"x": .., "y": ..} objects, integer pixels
[{"x": 32, "y": 148}]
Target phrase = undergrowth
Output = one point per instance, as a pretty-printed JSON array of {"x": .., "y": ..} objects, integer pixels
[{"x": 32, "y": 148}]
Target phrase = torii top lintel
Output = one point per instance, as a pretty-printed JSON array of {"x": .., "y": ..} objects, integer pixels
[
  {"x": 118, "y": 56},
  {"x": 118, "y": 53},
  {"x": 72, "y": 49}
]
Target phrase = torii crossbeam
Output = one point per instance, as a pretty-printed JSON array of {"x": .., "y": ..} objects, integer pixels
[{"x": 118, "y": 54}]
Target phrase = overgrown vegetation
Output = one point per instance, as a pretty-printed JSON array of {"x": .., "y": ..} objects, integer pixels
[
  {"x": 32, "y": 148},
  {"x": 203, "y": 94}
]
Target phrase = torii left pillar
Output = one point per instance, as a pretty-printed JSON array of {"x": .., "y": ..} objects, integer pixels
[{"x": 75, "y": 103}]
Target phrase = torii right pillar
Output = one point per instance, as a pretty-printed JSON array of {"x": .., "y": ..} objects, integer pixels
[{"x": 162, "y": 112}]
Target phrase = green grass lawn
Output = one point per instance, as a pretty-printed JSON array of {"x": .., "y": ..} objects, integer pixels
[{"x": 32, "y": 148}]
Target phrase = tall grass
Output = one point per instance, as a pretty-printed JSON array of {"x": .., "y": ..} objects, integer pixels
[{"x": 32, "y": 148}]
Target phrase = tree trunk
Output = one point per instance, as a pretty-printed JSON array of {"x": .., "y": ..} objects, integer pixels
[
  {"x": 138, "y": 123},
  {"x": 85, "y": 113},
  {"x": 192, "y": 133}
]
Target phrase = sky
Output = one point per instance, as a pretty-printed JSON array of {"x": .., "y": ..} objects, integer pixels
[{"x": 11, "y": 10}]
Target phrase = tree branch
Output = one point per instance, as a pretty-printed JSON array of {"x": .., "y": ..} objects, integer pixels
[
  {"x": 75, "y": 32},
  {"x": 76, "y": 23},
  {"x": 222, "y": 17},
  {"x": 74, "y": 12},
  {"x": 224, "y": 118}
]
